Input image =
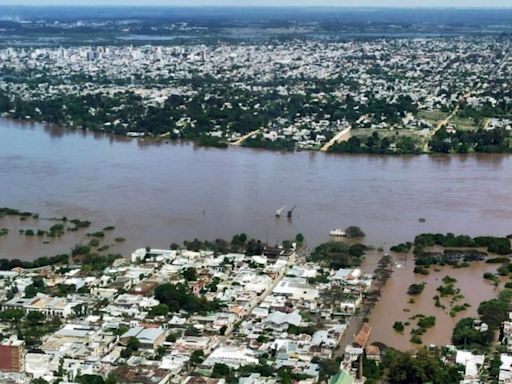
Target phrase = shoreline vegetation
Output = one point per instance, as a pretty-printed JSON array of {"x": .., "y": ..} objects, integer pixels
[
  {"x": 95, "y": 245},
  {"x": 496, "y": 141},
  {"x": 429, "y": 251},
  {"x": 91, "y": 251}
]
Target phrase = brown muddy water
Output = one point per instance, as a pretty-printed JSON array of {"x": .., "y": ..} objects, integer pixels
[
  {"x": 394, "y": 303},
  {"x": 159, "y": 193},
  {"x": 156, "y": 194}
]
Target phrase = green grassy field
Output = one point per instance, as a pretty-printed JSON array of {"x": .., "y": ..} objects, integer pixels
[
  {"x": 365, "y": 132},
  {"x": 464, "y": 124},
  {"x": 433, "y": 116}
]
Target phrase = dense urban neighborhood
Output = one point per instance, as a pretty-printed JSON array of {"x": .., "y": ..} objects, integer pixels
[
  {"x": 259, "y": 315},
  {"x": 377, "y": 96},
  {"x": 243, "y": 311},
  {"x": 102, "y": 113}
]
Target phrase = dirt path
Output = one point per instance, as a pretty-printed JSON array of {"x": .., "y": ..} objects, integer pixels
[
  {"x": 443, "y": 123},
  {"x": 245, "y": 137},
  {"x": 343, "y": 135}
]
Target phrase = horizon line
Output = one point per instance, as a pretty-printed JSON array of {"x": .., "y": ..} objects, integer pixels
[{"x": 419, "y": 7}]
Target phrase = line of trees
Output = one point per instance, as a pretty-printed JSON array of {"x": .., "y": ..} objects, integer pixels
[{"x": 492, "y": 141}]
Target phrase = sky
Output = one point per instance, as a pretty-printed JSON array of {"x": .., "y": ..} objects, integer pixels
[{"x": 343, "y": 3}]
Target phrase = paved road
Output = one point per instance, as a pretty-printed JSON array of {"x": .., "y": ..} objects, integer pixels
[
  {"x": 262, "y": 297},
  {"x": 500, "y": 64}
]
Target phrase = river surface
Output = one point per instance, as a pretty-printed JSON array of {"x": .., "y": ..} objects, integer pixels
[
  {"x": 156, "y": 194},
  {"x": 159, "y": 193}
]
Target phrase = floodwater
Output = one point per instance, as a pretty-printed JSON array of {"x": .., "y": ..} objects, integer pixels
[
  {"x": 156, "y": 194},
  {"x": 159, "y": 193},
  {"x": 394, "y": 303}
]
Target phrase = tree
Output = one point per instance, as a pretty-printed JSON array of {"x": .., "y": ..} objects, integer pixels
[
  {"x": 426, "y": 366},
  {"x": 406, "y": 144},
  {"x": 39, "y": 381},
  {"x": 30, "y": 291},
  {"x": 171, "y": 337},
  {"x": 441, "y": 142},
  {"x": 111, "y": 378},
  {"x": 160, "y": 352},
  {"x": 192, "y": 331},
  {"x": 13, "y": 315},
  {"x": 287, "y": 245},
  {"x": 372, "y": 370},
  {"x": 159, "y": 310},
  {"x": 80, "y": 249},
  {"x": 89, "y": 379},
  {"x": 287, "y": 376},
  {"x": 357, "y": 250},
  {"x": 399, "y": 327},
  {"x": 335, "y": 255},
  {"x": 465, "y": 335},
  {"x": 254, "y": 247},
  {"x": 60, "y": 370},
  {"x": 78, "y": 310},
  {"x": 494, "y": 368},
  {"x": 179, "y": 297},
  {"x": 190, "y": 274},
  {"x": 353, "y": 232},
  {"x": 35, "y": 318},
  {"x": 328, "y": 368},
  {"x": 415, "y": 289},
  {"x": 197, "y": 357},
  {"x": 262, "y": 368},
  {"x": 121, "y": 330},
  {"x": 220, "y": 371},
  {"x": 133, "y": 344},
  {"x": 493, "y": 312}
]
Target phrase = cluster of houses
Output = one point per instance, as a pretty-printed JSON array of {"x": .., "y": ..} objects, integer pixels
[
  {"x": 476, "y": 365},
  {"x": 384, "y": 70},
  {"x": 273, "y": 313}
]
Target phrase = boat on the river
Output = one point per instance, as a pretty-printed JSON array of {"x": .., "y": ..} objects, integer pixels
[{"x": 338, "y": 232}]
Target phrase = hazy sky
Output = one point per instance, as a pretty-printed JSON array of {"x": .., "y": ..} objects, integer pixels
[{"x": 354, "y": 3}]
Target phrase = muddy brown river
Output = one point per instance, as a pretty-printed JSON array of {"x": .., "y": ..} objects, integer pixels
[{"x": 159, "y": 193}]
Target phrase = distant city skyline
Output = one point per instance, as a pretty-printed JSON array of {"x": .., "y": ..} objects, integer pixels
[{"x": 340, "y": 3}]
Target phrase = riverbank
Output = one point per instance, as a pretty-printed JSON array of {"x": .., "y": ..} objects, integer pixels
[{"x": 385, "y": 142}]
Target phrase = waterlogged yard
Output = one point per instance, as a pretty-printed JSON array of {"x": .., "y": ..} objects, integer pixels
[
  {"x": 397, "y": 306},
  {"x": 436, "y": 282}
]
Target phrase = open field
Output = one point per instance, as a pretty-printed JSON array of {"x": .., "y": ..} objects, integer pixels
[
  {"x": 433, "y": 116},
  {"x": 464, "y": 124}
]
